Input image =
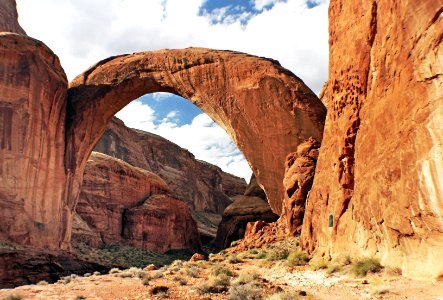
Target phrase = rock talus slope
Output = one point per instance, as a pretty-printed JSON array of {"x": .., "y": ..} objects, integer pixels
[{"x": 379, "y": 174}]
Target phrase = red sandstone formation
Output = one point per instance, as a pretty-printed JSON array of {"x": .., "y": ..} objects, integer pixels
[
  {"x": 246, "y": 208},
  {"x": 265, "y": 108},
  {"x": 109, "y": 187},
  {"x": 8, "y": 17},
  {"x": 33, "y": 180},
  {"x": 379, "y": 175},
  {"x": 160, "y": 224},
  {"x": 203, "y": 186},
  {"x": 299, "y": 175}
]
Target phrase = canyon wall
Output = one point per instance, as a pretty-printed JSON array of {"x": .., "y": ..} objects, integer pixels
[
  {"x": 203, "y": 186},
  {"x": 379, "y": 177}
]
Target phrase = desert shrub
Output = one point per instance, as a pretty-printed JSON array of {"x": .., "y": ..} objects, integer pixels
[
  {"x": 157, "y": 275},
  {"x": 96, "y": 273},
  {"x": 364, "y": 266},
  {"x": 343, "y": 260},
  {"x": 145, "y": 280},
  {"x": 319, "y": 264},
  {"x": 253, "y": 251},
  {"x": 14, "y": 297},
  {"x": 87, "y": 275},
  {"x": 42, "y": 282},
  {"x": 125, "y": 274},
  {"x": 332, "y": 268},
  {"x": 277, "y": 254},
  {"x": 234, "y": 259},
  {"x": 234, "y": 243},
  {"x": 181, "y": 280},
  {"x": 261, "y": 255},
  {"x": 221, "y": 279},
  {"x": 192, "y": 271},
  {"x": 247, "y": 291},
  {"x": 114, "y": 271},
  {"x": 297, "y": 258},
  {"x": 222, "y": 270},
  {"x": 246, "y": 277}
]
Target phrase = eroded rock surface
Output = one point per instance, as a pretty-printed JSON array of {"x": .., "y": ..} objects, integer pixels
[
  {"x": 245, "y": 208},
  {"x": 160, "y": 224},
  {"x": 299, "y": 176},
  {"x": 203, "y": 186},
  {"x": 109, "y": 187},
  {"x": 8, "y": 17},
  {"x": 379, "y": 175},
  {"x": 265, "y": 108},
  {"x": 33, "y": 180}
]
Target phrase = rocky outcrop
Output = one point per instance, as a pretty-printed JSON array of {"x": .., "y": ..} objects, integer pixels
[
  {"x": 265, "y": 108},
  {"x": 116, "y": 204},
  {"x": 160, "y": 224},
  {"x": 26, "y": 265},
  {"x": 245, "y": 208},
  {"x": 33, "y": 180},
  {"x": 8, "y": 17},
  {"x": 205, "y": 187},
  {"x": 299, "y": 176},
  {"x": 379, "y": 177}
]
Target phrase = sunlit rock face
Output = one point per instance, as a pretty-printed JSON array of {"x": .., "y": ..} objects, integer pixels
[
  {"x": 8, "y": 17},
  {"x": 378, "y": 188}
]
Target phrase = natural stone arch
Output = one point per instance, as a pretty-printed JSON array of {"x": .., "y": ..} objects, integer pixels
[{"x": 265, "y": 108}]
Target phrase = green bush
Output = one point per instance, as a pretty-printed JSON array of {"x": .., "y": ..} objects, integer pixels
[
  {"x": 319, "y": 264},
  {"x": 332, "y": 268},
  {"x": 366, "y": 265},
  {"x": 297, "y": 258},
  {"x": 277, "y": 254},
  {"x": 222, "y": 270},
  {"x": 246, "y": 277}
]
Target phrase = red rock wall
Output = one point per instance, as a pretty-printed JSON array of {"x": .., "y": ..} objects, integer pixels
[
  {"x": 33, "y": 86},
  {"x": 203, "y": 186},
  {"x": 162, "y": 223},
  {"x": 8, "y": 17},
  {"x": 380, "y": 169}
]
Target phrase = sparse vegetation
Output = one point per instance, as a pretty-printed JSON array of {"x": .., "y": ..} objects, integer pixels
[
  {"x": 246, "y": 277},
  {"x": 145, "y": 280},
  {"x": 319, "y": 264},
  {"x": 114, "y": 271},
  {"x": 87, "y": 275},
  {"x": 96, "y": 273},
  {"x": 180, "y": 280},
  {"x": 222, "y": 269},
  {"x": 297, "y": 258},
  {"x": 249, "y": 291},
  {"x": 277, "y": 254},
  {"x": 42, "y": 282},
  {"x": 364, "y": 266},
  {"x": 14, "y": 297},
  {"x": 284, "y": 296},
  {"x": 333, "y": 268}
]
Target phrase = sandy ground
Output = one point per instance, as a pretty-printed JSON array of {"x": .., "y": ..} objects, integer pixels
[{"x": 273, "y": 277}]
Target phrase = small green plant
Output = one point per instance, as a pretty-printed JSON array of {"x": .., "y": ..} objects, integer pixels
[
  {"x": 333, "y": 268},
  {"x": 297, "y": 258},
  {"x": 114, "y": 271},
  {"x": 42, "y": 282},
  {"x": 277, "y": 254},
  {"x": 253, "y": 251},
  {"x": 249, "y": 291},
  {"x": 261, "y": 255},
  {"x": 87, "y": 275},
  {"x": 364, "y": 266},
  {"x": 319, "y": 264},
  {"x": 222, "y": 270},
  {"x": 14, "y": 297}
]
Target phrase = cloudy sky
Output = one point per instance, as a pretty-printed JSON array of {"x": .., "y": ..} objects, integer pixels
[{"x": 82, "y": 32}]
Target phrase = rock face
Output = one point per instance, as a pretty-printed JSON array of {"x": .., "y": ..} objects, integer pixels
[
  {"x": 379, "y": 175},
  {"x": 8, "y": 17},
  {"x": 113, "y": 201},
  {"x": 203, "y": 186},
  {"x": 245, "y": 208},
  {"x": 299, "y": 176},
  {"x": 160, "y": 224},
  {"x": 33, "y": 180},
  {"x": 36, "y": 265},
  {"x": 265, "y": 108}
]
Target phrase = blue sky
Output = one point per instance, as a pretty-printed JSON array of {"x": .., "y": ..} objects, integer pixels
[{"x": 82, "y": 32}]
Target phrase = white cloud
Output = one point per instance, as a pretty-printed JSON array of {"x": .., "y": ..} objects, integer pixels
[
  {"x": 83, "y": 32},
  {"x": 204, "y": 138}
]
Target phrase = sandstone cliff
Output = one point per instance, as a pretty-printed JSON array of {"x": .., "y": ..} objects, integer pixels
[
  {"x": 203, "y": 186},
  {"x": 379, "y": 175},
  {"x": 245, "y": 208},
  {"x": 114, "y": 201},
  {"x": 8, "y": 17}
]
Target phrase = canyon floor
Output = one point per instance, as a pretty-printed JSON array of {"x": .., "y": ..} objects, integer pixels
[{"x": 255, "y": 274}]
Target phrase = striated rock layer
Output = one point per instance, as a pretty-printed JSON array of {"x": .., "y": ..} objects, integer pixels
[
  {"x": 160, "y": 224},
  {"x": 117, "y": 204},
  {"x": 33, "y": 181},
  {"x": 265, "y": 108},
  {"x": 203, "y": 186},
  {"x": 245, "y": 208},
  {"x": 379, "y": 175},
  {"x": 299, "y": 176},
  {"x": 8, "y": 17}
]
